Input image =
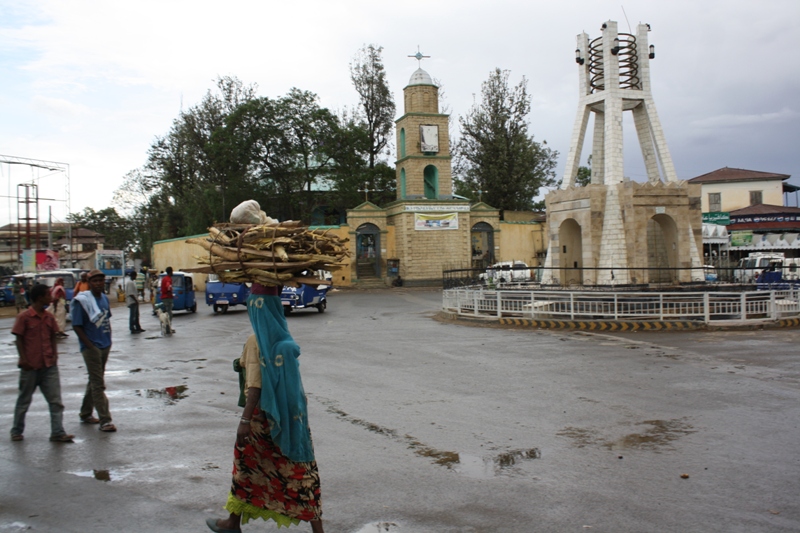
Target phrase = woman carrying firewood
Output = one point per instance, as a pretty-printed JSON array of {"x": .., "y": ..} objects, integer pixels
[{"x": 275, "y": 473}]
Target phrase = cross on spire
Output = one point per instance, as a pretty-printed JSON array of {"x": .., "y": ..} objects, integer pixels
[{"x": 419, "y": 57}]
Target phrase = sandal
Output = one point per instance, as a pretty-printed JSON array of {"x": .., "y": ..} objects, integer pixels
[
  {"x": 62, "y": 438},
  {"x": 108, "y": 427},
  {"x": 212, "y": 525},
  {"x": 17, "y": 438},
  {"x": 90, "y": 420}
]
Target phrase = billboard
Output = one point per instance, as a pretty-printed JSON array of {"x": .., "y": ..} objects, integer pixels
[
  {"x": 111, "y": 262},
  {"x": 39, "y": 260}
]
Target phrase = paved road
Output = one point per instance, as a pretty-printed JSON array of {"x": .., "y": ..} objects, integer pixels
[{"x": 424, "y": 426}]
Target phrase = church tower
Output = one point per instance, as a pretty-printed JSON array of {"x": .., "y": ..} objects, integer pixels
[{"x": 423, "y": 143}]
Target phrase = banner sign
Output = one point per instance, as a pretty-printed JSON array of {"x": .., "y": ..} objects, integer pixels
[
  {"x": 419, "y": 207},
  {"x": 717, "y": 217},
  {"x": 741, "y": 238},
  {"x": 435, "y": 222},
  {"x": 755, "y": 219}
]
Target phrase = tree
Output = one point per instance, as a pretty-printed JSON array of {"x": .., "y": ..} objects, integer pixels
[
  {"x": 495, "y": 153},
  {"x": 376, "y": 105},
  {"x": 584, "y": 176},
  {"x": 115, "y": 228}
]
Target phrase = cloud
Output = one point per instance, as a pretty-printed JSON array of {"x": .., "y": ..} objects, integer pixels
[
  {"x": 59, "y": 107},
  {"x": 732, "y": 120}
]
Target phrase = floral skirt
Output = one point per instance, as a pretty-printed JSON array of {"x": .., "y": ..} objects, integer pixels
[{"x": 268, "y": 485}]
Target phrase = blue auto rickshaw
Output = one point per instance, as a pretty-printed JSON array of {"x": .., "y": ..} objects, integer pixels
[
  {"x": 182, "y": 292},
  {"x": 303, "y": 297},
  {"x": 221, "y": 295}
]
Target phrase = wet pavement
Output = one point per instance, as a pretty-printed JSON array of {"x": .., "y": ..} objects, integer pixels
[{"x": 422, "y": 425}]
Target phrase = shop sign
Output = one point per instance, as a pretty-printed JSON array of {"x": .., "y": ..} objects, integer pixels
[{"x": 717, "y": 217}]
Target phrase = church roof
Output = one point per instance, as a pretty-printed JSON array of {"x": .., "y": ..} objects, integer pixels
[{"x": 420, "y": 77}]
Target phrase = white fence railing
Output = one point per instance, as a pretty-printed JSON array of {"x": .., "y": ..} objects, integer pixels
[{"x": 707, "y": 307}]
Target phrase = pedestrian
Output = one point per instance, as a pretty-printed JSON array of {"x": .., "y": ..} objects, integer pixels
[
  {"x": 35, "y": 331},
  {"x": 58, "y": 294},
  {"x": 275, "y": 474},
  {"x": 132, "y": 299},
  {"x": 82, "y": 285},
  {"x": 140, "y": 286},
  {"x": 19, "y": 296},
  {"x": 91, "y": 320},
  {"x": 166, "y": 295}
]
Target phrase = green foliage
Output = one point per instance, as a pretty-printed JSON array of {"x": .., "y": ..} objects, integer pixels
[
  {"x": 376, "y": 107},
  {"x": 117, "y": 230},
  {"x": 495, "y": 153},
  {"x": 290, "y": 154}
]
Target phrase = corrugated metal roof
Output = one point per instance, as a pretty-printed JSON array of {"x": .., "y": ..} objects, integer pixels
[
  {"x": 764, "y": 209},
  {"x": 727, "y": 174}
]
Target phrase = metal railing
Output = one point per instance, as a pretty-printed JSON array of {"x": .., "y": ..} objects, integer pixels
[
  {"x": 664, "y": 278},
  {"x": 703, "y": 306}
]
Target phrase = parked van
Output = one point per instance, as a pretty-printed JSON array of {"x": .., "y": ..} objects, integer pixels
[{"x": 749, "y": 268}]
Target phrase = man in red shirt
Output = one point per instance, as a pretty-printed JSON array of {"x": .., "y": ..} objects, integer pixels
[
  {"x": 35, "y": 332},
  {"x": 166, "y": 295}
]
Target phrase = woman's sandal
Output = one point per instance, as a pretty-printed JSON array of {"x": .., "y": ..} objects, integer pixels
[
  {"x": 62, "y": 438},
  {"x": 108, "y": 427},
  {"x": 212, "y": 525},
  {"x": 90, "y": 420}
]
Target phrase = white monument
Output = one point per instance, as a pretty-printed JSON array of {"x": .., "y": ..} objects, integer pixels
[{"x": 624, "y": 232}]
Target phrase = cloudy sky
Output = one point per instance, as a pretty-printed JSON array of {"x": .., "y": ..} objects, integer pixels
[{"x": 91, "y": 83}]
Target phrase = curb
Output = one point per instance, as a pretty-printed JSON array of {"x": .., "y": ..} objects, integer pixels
[{"x": 622, "y": 325}]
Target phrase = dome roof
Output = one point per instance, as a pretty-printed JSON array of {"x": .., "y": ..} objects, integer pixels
[{"x": 420, "y": 77}]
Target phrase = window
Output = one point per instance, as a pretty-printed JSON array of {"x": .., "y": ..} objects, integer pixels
[
  {"x": 402, "y": 183},
  {"x": 431, "y": 179},
  {"x": 755, "y": 197},
  {"x": 402, "y": 144},
  {"x": 714, "y": 202}
]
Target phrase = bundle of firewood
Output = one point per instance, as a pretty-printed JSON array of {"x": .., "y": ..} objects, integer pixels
[{"x": 284, "y": 253}]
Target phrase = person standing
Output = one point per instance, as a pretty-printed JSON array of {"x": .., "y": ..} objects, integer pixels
[
  {"x": 132, "y": 299},
  {"x": 58, "y": 294},
  {"x": 35, "y": 331},
  {"x": 82, "y": 285},
  {"x": 140, "y": 286},
  {"x": 91, "y": 320},
  {"x": 166, "y": 295},
  {"x": 19, "y": 296}
]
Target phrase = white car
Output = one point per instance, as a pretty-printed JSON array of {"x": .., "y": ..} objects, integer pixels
[{"x": 506, "y": 271}]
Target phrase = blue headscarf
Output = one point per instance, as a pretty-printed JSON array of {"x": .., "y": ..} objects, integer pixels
[{"x": 283, "y": 399}]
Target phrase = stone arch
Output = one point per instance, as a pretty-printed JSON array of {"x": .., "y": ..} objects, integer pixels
[
  {"x": 662, "y": 249},
  {"x": 571, "y": 253},
  {"x": 431, "y": 179},
  {"x": 482, "y": 242},
  {"x": 368, "y": 251}
]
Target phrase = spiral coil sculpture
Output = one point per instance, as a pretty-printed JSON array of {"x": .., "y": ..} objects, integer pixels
[{"x": 626, "y": 52}]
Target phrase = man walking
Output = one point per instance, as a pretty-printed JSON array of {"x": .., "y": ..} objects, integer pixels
[
  {"x": 35, "y": 332},
  {"x": 132, "y": 299},
  {"x": 166, "y": 295},
  {"x": 91, "y": 320}
]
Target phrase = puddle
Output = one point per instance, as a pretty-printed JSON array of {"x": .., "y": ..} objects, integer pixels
[
  {"x": 468, "y": 465},
  {"x": 169, "y": 394},
  {"x": 659, "y": 434},
  {"x": 380, "y": 527},
  {"x": 580, "y": 437},
  {"x": 656, "y": 434},
  {"x": 101, "y": 475}
]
